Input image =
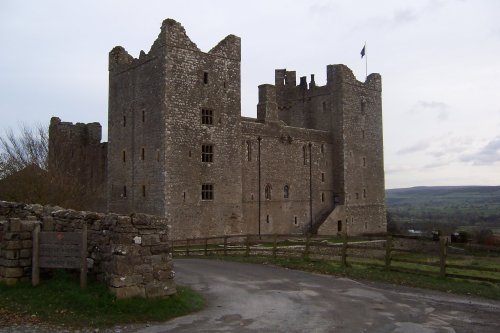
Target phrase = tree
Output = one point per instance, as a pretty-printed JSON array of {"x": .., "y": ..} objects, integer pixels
[{"x": 30, "y": 147}]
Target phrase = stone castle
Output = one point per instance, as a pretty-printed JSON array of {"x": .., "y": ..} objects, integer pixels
[{"x": 312, "y": 160}]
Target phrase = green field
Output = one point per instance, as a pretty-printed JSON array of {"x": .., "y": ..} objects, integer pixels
[{"x": 465, "y": 206}]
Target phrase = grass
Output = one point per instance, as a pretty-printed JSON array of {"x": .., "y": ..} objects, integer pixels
[
  {"x": 375, "y": 273},
  {"x": 60, "y": 301}
]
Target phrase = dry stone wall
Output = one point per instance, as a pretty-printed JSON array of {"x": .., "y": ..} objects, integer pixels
[{"x": 131, "y": 254}]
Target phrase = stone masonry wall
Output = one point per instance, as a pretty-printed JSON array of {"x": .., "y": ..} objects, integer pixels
[{"x": 129, "y": 253}]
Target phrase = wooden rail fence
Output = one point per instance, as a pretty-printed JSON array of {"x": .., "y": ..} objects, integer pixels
[{"x": 381, "y": 252}]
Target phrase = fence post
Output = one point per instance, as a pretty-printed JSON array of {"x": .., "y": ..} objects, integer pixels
[
  {"x": 344, "y": 250},
  {"x": 275, "y": 245},
  {"x": 225, "y": 245},
  {"x": 442, "y": 255},
  {"x": 35, "y": 267},
  {"x": 187, "y": 247},
  {"x": 247, "y": 250},
  {"x": 388, "y": 248},
  {"x": 306, "y": 249},
  {"x": 206, "y": 247}
]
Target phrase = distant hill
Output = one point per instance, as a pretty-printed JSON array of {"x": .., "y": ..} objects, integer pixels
[{"x": 457, "y": 205}]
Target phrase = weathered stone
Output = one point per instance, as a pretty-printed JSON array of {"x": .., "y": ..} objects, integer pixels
[
  {"x": 28, "y": 225},
  {"x": 13, "y": 245},
  {"x": 13, "y": 272},
  {"x": 10, "y": 254},
  {"x": 14, "y": 225},
  {"x": 126, "y": 292},
  {"x": 27, "y": 244},
  {"x": 25, "y": 253},
  {"x": 159, "y": 249},
  {"x": 125, "y": 281},
  {"x": 148, "y": 240}
]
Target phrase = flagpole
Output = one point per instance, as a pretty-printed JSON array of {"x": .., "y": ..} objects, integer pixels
[{"x": 366, "y": 63}]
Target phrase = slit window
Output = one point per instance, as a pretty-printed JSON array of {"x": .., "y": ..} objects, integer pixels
[
  {"x": 205, "y": 77},
  {"x": 249, "y": 150},
  {"x": 364, "y": 193},
  {"x": 124, "y": 156},
  {"x": 207, "y": 116},
  {"x": 207, "y": 192},
  {"x": 124, "y": 194},
  {"x": 295, "y": 220},
  {"x": 322, "y": 196},
  {"x": 267, "y": 218},
  {"x": 143, "y": 190},
  {"x": 339, "y": 225},
  {"x": 286, "y": 192},
  {"x": 207, "y": 153},
  {"x": 157, "y": 155},
  {"x": 322, "y": 148},
  {"x": 304, "y": 154},
  {"x": 364, "y": 161},
  {"x": 124, "y": 121},
  {"x": 142, "y": 154},
  {"x": 143, "y": 115},
  {"x": 322, "y": 176}
]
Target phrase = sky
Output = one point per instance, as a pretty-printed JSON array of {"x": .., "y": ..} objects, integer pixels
[{"x": 439, "y": 61}]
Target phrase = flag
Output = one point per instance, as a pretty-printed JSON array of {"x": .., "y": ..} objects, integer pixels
[{"x": 363, "y": 52}]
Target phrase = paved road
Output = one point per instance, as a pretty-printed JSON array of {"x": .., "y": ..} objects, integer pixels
[{"x": 256, "y": 298}]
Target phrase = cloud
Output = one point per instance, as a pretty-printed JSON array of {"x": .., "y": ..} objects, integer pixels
[
  {"x": 403, "y": 16},
  {"x": 399, "y": 168},
  {"x": 436, "y": 107},
  {"x": 414, "y": 148},
  {"x": 487, "y": 155}
]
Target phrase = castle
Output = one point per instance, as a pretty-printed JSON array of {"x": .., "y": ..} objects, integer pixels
[{"x": 312, "y": 160}]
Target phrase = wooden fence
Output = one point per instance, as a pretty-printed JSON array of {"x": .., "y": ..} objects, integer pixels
[{"x": 393, "y": 252}]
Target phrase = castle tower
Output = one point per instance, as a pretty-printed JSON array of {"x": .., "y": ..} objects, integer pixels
[{"x": 174, "y": 129}]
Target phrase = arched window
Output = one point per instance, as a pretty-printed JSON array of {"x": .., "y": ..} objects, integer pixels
[
  {"x": 286, "y": 192},
  {"x": 267, "y": 192}
]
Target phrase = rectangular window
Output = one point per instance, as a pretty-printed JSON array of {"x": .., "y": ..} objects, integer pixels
[
  {"x": 124, "y": 194},
  {"x": 322, "y": 196},
  {"x": 364, "y": 193},
  {"x": 143, "y": 115},
  {"x": 205, "y": 77},
  {"x": 124, "y": 157},
  {"x": 322, "y": 148},
  {"x": 143, "y": 190},
  {"x": 339, "y": 226},
  {"x": 207, "y": 192},
  {"x": 207, "y": 116},
  {"x": 322, "y": 176},
  {"x": 124, "y": 121},
  {"x": 207, "y": 153},
  {"x": 142, "y": 154},
  {"x": 364, "y": 161},
  {"x": 295, "y": 220},
  {"x": 249, "y": 150}
]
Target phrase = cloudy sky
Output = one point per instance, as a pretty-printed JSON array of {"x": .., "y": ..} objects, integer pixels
[{"x": 439, "y": 61}]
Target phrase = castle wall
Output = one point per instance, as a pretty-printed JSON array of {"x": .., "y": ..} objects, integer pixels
[
  {"x": 78, "y": 158},
  {"x": 286, "y": 159}
]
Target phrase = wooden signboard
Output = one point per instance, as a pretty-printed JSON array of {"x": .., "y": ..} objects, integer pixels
[{"x": 59, "y": 250}]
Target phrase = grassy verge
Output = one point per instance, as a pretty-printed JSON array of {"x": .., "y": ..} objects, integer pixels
[
  {"x": 60, "y": 301},
  {"x": 374, "y": 273}
]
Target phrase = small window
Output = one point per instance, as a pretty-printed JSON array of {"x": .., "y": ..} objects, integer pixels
[
  {"x": 207, "y": 153},
  {"x": 364, "y": 193},
  {"x": 322, "y": 196},
  {"x": 124, "y": 194},
  {"x": 339, "y": 226},
  {"x": 205, "y": 77},
  {"x": 207, "y": 192},
  {"x": 363, "y": 105},
  {"x": 157, "y": 155},
  {"x": 366, "y": 225},
  {"x": 363, "y": 134},
  {"x": 124, "y": 121},
  {"x": 322, "y": 148},
  {"x": 295, "y": 220},
  {"x": 143, "y": 190},
  {"x": 249, "y": 150},
  {"x": 184, "y": 196},
  {"x": 357, "y": 195},
  {"x": 267, "y": 218},
  {"x": 124, "y": 156},
  {"x": 143, "y": 115},
  {"x": 286, "y": 192},
  {"x": 142, "y": 154},
  {"x": 207, "y": 116},
  {"x": 323, "y": 177},
  {"x": 364, "y": 161},
  {"x": 324, "y": 106},
  {"x": 267, "y": 192}
]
